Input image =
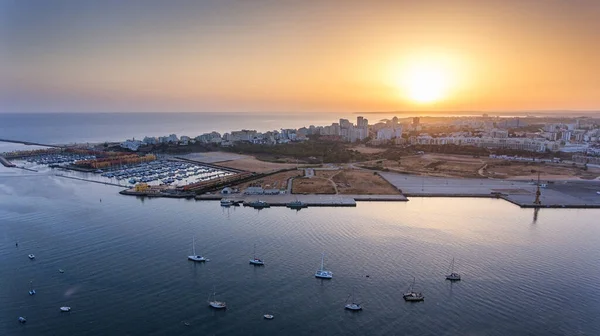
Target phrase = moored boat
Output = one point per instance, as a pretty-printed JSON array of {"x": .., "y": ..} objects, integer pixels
[{"x": 322, "y": 273}]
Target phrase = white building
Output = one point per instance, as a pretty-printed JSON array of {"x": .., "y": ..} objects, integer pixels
[
  {"x": 131, "y": 144},
  {"x": 389, "y": 133}
]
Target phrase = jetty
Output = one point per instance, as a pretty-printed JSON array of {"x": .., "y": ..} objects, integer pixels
[
  {"x": 87, "y": 180},
  {"x": 6, "y": 163},
  {"x": 29, "y": 143}
]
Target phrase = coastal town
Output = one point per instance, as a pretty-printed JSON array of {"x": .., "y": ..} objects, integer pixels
[{"x": 530, "y": 161}]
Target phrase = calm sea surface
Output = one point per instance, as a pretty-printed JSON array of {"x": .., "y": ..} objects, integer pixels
[
  {"x": 62, "y": 128},
  {"x": 126, "y": 271}
]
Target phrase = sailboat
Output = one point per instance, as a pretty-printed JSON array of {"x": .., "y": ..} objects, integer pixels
[
  {"x": 31, "y": 290},
  {"x": 411, "y": 295},
  {"x": 214, "y": 303},
  {"x": 453, "y": 276},
  {"x": 195, "y": 257},
  {"x": 353, "y": 305},
  {"x": 255, "y": 260},
  {"x": 322, "y": 273}
]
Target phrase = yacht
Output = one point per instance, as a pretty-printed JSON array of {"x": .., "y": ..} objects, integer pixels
[
  {"x": 195, "y": 257},
  {"x": 31, "y": 256},
  {"x": 352, "y": 305},
  {"x": 65, "y": 309},
  {"x": 214, "y": 303},
  {"x": 226, "y": 202},
  {"x": 413, "y": 296},
  {"x": 31, "y": 290},
  {"x": 322, "y": 273},
  {"x": 268, "y": 316},
  {"x": 453, "y": 276},
  {"x": 259, "y": 204},
  {"x": 22, "y": 319},
  {"x": 255, "y": 260},
  {"x": 296, "y": 205}
]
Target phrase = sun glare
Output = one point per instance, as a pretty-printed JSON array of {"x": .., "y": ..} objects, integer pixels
[{"x": 425, "y": 80}]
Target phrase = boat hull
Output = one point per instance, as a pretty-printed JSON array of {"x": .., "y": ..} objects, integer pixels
[
  {"x": 323, "y": 275},
  {"x": 353, "y": 307},
  {"x": 217, "y": 305},
  {"x": 257, "y": 262},
  {"x": 197, "y": 258}
]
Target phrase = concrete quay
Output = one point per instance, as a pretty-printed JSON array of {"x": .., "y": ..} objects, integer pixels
[
  {"x": 309, "y": 200},
  {"x": 282, "y": 200},
  {"x": 558, "y": 194}
]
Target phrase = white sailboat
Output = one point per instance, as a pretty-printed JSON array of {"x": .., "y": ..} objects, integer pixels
[
  {"x": 255, "y": 260},
  {"x": 65, "y": 309},
  {"x": 352, "y": 305},
  {"x": 411, "y": 295},
  {"x": 195, "y": 257},
  {"x": 322, "y": 273},
  {"x": 31, "y": 290},
  {"x": 214, "y": 303},
  {"x": 452, "y": 276}
]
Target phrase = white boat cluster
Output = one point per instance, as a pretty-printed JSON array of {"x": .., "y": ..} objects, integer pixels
[{"x": 165, "y": 172}]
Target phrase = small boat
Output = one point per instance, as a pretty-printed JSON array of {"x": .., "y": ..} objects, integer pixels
[
  {"x": 65, "y": 309},
  {"x": 322, "y": 273},
  {"x": 352, "y": 305},
  {"x": 214, "y": 303},
  {"x": 195, "y": 257},
  {"x": 226, "y": 202},
  {"x": 412, "y": 295},
  {"x": 268, "y": 316},
  {"x": 31, "y": 290},
  {"x": 296, "y": 205},
  {"x": 259, "y": 204},
  {"x": 255, "y": 260},
  {"x": 31, "y": 256},
  {"x": 453, "y": 276},
  {"x": 61, "y": 270},
  {"x": 22, "y": 319}
]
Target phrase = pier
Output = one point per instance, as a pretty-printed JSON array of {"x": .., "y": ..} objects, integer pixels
[
  {"x": 6, "y": 163},
  {"x": 86, "y": 180},
  {"x": 29, "y": 143}
]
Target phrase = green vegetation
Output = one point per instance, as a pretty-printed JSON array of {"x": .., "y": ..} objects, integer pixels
[{"x": 312, "y": 151}]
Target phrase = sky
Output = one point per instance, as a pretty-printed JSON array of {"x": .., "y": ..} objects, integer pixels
[{"x": 299, "y": 56}]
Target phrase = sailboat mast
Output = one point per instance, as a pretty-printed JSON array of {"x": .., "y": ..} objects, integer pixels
[
  {"x": 194, "y": 246},
  {"x": 254, "y": 255},
  {"x": 323, "y": 261}
]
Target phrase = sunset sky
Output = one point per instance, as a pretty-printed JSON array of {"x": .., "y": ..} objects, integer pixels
[{"x": 310, "y": 55}]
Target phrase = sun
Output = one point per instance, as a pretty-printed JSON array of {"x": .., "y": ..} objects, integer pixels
[
  {"x": 426, "y": 84},
  {"x": 425, "y": 80}
]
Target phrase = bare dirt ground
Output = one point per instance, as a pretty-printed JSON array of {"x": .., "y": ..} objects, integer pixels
[
  {"x": 368, "y": 150},
  {"x": 314, "y": 185},
  {"x": 361, "y": 182},
  {"x": 275, "y": 181},
  {"x": 443, "y": 165},
  {"x": 528, "y": 170},
  {"x": 432, "y": 165},
  {"x": 252, "y": 164}
]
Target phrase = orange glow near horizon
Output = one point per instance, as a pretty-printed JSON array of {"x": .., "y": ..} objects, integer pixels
[{"x": 327, "y": 56}]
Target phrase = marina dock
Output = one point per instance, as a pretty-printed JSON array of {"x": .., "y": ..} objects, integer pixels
[{"x": 86, "y": 180}]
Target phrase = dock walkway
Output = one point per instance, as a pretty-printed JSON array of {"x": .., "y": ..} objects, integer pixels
[{"x": 86, "y": 180}]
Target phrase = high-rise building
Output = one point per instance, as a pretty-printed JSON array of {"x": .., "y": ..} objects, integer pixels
[{"x": 416, "y": 121}]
